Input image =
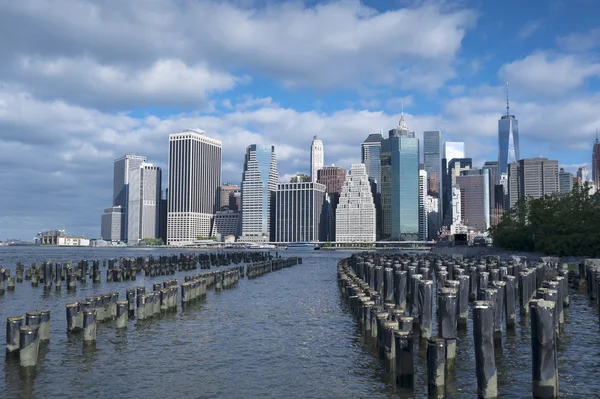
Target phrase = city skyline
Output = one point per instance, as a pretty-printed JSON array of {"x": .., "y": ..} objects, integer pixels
[{"x": 68, "y": 109}]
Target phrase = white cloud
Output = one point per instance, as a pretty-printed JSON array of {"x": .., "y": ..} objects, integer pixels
[
  {"x": 543, "y": 72},
  {"x": 580, "y": 42}
]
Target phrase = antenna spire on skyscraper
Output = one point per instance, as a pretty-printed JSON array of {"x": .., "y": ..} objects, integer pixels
[{"x": 507, "y": 106}]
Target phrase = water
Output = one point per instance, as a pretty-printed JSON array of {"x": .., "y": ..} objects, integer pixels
[{"x": 285, "y": 334}]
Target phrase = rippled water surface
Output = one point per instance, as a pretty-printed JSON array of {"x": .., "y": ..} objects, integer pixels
[{"x": 286, "y": 334}]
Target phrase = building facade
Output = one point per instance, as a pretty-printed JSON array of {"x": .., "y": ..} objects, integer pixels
[
  {"x": 333, "y": 177},
  {"x": 111, "y": 224},
  {"x": 227, "y": 223},
  {"x": 225, "y": 193},
  {"x": 144, "y": 203},
  {"x": 300, "y": 212},
  {"x": 123, "y": 167},
  {"x": 370, "y": 156},
  {"x": 565, "y": 181},
  {"x": 454, "y": 168},
  {"x": 508, "y": 142},
  {"x": 355, "y": 214},
  {"x": 532, "y": 177},
  {"x": 596, "y": 162},
  {"x": 194, "y": 179},
  {"x": 259, "y": 185},
  {"x": 317, "y": 157},
  {"x": 474, "y": 186},
  {"x": 423, "y": 217}
]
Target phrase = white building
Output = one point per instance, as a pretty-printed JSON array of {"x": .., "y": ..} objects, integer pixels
[
  {"x": 144, "y": 202},
  {"x": 457, "y": 226},
  {"x": 316, "y": 158},
  {"x": 423, "y": 225},
  {"x": 111, "y": 224},
  {"x": 300, "y": 212},
  {"x": 259, "y": 185},
  {"x": 73, "y": 241},
  {"x": 194, "y": 179},
  {"x": 227, "y": 222},
  {"x": 355, "y": 213}
]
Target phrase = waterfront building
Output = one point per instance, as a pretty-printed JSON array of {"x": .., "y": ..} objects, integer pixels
[
  {"x": 144, "y": 203},
  {"x": 565, "y": 181},
  {"x": 370, "y": 156},
  {"x": 259, "y": 185},
  {"x": 532, "y": 177},
  {"x": 123, "y": 167},
  {"x": 225, "y": 193},
  {"x": 111, "y": 224},
  {"x": 300, "y": 212},
  {"x": 400, "y": 184},
  {"x": 475, "y": 194},
  {"x": 423, "y": 215},
  {"x": 194, "y": 179},
  {"x": 316, "y": 158},
  {"x": 508, "y": 141},
  {"x": 227, "y": 223},
  {"x": 355, "y": 214}
]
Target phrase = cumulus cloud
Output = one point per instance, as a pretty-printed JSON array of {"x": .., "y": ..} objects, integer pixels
[{"x": 580, "y": 42}]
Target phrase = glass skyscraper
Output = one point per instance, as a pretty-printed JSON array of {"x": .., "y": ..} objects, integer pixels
[
  {"x": 508, "y": 143},
  {"x": 371, "y": 157},
  {"x": 259, "y": 185},
  {"x": 400, "y": 184}
]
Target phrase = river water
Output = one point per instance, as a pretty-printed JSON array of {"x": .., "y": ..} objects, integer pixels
[{"x": 285, "y": 334}]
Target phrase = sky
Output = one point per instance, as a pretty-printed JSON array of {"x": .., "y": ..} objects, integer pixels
[{"x": 84, "y": 82}]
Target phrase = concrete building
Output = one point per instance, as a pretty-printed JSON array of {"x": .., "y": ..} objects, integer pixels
[
  {"x": 355, "y": 214},
  {"x": 73, "y": 242},
  {"x": 227, "y": 223},
  {"x": 299, "y": 212},
  {"x": 144, "y": 203},
  {"x": 225, "y": 193},
  {"x": 111, "y": 224},
  {"x": 259, "y": 185},
  {"x": 61, "y": 238},
  {"x": 565, "y": 181},
  {"x": 423, "y": 217},
  {"x": 400, "y": 184},
  {"x": 475, "y": 187},
  {"x": 316, "y": 158},
  {"x": 194, "y": 179},
  {"x": 532, "y": 177},
  {"x": 370, "y": 156},
  {"x": 122, "y": 170}
]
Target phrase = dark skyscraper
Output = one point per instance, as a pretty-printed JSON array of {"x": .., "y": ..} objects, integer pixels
[
  {"x": 508, "y": 141},
  {"x": 596, "y": 162}
]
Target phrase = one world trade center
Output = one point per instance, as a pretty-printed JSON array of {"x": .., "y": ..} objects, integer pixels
[{"x": 508, "y": 141}]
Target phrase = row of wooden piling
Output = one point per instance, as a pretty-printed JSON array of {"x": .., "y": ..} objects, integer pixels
[
  {"x": 392, "y": 297},
  {"x": 261, "y": 268}
]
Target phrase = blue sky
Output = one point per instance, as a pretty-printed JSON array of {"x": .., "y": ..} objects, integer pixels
[{"x": 82, "y": 83}]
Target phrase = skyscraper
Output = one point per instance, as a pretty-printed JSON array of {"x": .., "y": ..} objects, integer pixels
[
  {"x": 194, "y": 179},
  {"x": 259, "y": 185},
  {"x": 400, "y": 184},
  {"x": 455, "y": 166},
  {"x": 565, "y": 181},
  {"x": 532, "y": 177},
  {"x": 299, "y": 215},
  {"x": 423, "y": 219},
  {"x": 144, "y": 203},
  {"x": 582, "y": 173},
  {"x": 432, "y": 157},
  {"x": 122, "y": 168},
  {"x": 508, "y": 141},
  {"x": 596, "y": 162},
  {"x": 370, "y": 156},
  {"x": 316, "y": 158},
  {"x": 355, "y": 214},
  {"x": 333, "y": 177},
  {"x": 474, "y": 186},
  {"x": 111, "y": 224}
]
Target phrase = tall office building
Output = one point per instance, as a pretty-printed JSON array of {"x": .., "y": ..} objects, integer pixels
[
  {"x": 474, "y": 186},
  {"x": 333, "y": 177},
  {"x": 565, "y": 181},
  {"x": 316, "y": 158},
  {"x": 582, "y": 173},
  {"x": 400, "y": 184},
  {"x": 194, "y": 179},
  {"x": 225, "y": 193},
  {"x": 122, "y": 168},
  {"x": 370, "y": 156},
  {"x": 596, "y": 162},
  {"x": 492, "y": 167},
  {"x": 532, "y": 177},
  {"x": 259, "y": 185},
  {"x": 455, "y": 166},
  {"x": 433, "y": 220},
  {"x": 432, "y": 153},
  {"x": 144, "y": 203},
  {"x": 423, "y": 217},
  {"x": 355, "y": 214},
  {"x": 508, "y": 141},
  {"x": 299, "y": 212},
  {"x": 111, "y": 224}
]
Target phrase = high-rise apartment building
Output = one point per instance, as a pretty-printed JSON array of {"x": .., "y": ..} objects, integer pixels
[
  {"x": 423, "y": 217},
  {"x": 300, "y": 212},
  {"x": 259, "y": 185},
  {"x": 122, "y": 168},
  {"x": 370, "y": 156},
  {"x": 316, "y": 158},
  {"x": 144, "y": 203},
  {"x": 111, "y": 224},
  {"x": 475, "y": 186},
  {"x": 508, "y": 141},
  {"x": 400, "y": 184},
  {"x": 355, "y": 214},
  {"x": 225, "y": 193},
  {"x": 194, "y": 179},
  {"x": 532, "y": 177},
  {"x": 565, "y": 181}
]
